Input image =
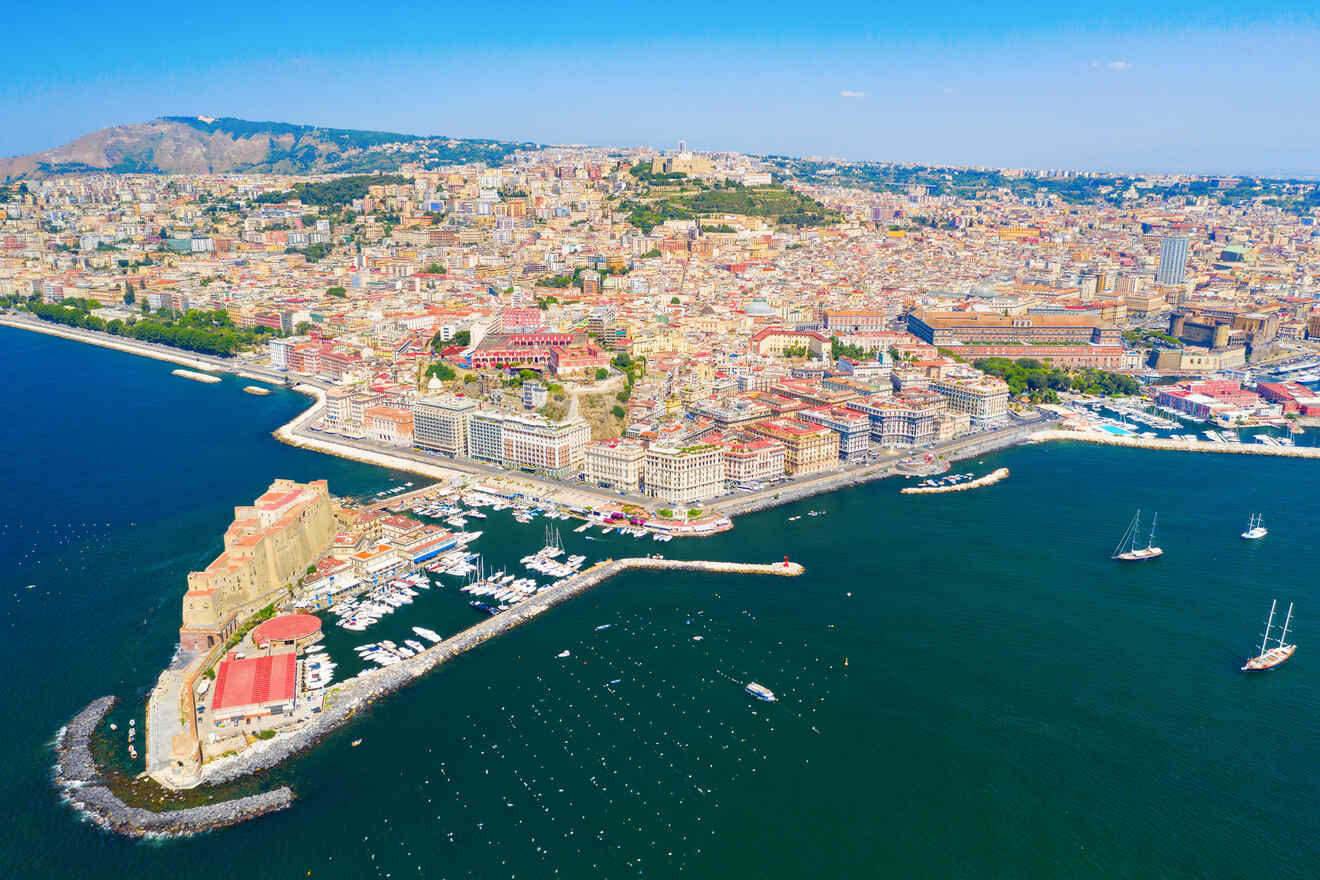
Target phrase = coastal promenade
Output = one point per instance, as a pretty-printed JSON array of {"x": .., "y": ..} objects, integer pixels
[
  {"x": 1177, "y": 445},
  {"x": 784, "y": 493},
  {"x": 209, "y": 363}
]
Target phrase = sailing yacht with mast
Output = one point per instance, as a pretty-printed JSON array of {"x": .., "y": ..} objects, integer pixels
[
  {"x": 1255, "y": 530},
  {"x": 1127, "y": 549},
  {"x": 1268, "y": 658}
]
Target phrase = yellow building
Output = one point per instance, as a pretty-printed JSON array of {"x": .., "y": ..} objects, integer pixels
[
  {"x": 267, "y": 548},
  {"x": 808, "y": 448}
]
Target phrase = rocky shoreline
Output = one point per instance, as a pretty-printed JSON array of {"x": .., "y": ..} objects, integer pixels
[{"x": 80, "y": 783}]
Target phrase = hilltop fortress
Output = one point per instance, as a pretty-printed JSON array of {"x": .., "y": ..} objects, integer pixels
[{"x": 267, "y": 548}]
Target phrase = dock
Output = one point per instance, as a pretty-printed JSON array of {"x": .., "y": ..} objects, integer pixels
[
  {"x": 988, "y": 480},
  {"x": 1178, "y": 445}
]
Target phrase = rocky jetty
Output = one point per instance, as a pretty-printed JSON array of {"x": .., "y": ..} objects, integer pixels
[{"x": 80, "y": 783}]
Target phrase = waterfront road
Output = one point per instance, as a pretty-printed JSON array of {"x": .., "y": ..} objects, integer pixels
[{"x": 880, "y": 466}]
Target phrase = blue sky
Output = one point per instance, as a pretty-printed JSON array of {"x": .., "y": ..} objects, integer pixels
[{"x": 1157, "y": 86}]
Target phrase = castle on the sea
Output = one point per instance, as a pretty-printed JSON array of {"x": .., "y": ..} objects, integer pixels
[{"x": 267, "y": 549}]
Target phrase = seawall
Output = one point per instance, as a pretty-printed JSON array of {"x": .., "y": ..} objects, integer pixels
[
  {"x": 106, "y": 341},
  {"x": 1179, "y": 445},
  {"x": 354, "y": 694},
  {"x": 80, "y": 783}
]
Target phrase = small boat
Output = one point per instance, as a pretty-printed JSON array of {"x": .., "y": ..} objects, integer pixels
[
  {"x": 1268, "y": 658},
  {"x": 696, "y": 638},
  {"x": 1255, "y": 530},
  {"x": 1127, "y": 549},
  {"x": 562, "y": 654},
  {"x": 356, "y": 743},
  {"x": 604, "y": 626},
  {"x": 761, "y": 692}
]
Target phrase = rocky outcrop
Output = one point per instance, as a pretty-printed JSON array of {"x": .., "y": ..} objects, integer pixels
[{"x": 80, "y": 783}]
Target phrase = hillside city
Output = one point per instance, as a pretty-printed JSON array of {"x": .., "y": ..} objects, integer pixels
[{"x": 683, "y": 325}]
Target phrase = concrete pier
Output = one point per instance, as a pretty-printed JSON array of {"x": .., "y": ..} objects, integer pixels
[
  {"x": 354, "y": 694},
  {"x": 988, "y": 480},
  {"x": 1178, "y": 445}
]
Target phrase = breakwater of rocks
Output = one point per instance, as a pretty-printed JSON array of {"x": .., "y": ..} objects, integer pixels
[
  {"x": 80, "y": 783},
  {"x": 355, "y": 694},
  {"x": 988, "y": 480},
  {"x": 1179, "y": 445}
]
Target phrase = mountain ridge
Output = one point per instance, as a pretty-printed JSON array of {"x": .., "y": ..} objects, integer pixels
[{"x": 218, "y": 145}]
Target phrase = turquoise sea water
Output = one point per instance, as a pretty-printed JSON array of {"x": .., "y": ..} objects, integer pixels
[{"x": 968, "y": 686}]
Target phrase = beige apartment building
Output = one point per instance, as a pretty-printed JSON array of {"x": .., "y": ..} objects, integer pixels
[
  {"x": 440, "y": 424},
  {"x": 614, "y": 464},
  {"x": 684, "y": 474}
]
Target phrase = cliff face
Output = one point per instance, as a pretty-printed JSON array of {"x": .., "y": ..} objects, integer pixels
[{"x": 198, "y": 145}]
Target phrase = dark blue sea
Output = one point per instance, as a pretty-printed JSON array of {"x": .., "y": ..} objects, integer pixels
[{"x": 968, "y": 686}]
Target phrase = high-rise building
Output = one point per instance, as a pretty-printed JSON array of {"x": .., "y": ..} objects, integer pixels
[
  {"x": 1173, "y": 261},
  {"x": 440, "y": 424}
]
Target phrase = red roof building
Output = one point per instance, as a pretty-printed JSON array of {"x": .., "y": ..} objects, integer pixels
[
  {"x": 255, "y": 687},
  {"x": 287, "y": 629}
]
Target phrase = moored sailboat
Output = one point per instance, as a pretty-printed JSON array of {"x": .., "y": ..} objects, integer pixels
[
  {"x": 1127, "y": 549},
  {"x": 1255, "y": 529},
  {"x": 1268, "y": 658}
]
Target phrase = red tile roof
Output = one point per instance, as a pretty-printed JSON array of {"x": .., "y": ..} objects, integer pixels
[{"x": 254, "y": 681}]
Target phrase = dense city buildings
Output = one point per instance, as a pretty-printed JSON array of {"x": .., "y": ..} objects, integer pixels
[{"x": 569, "y": 309}]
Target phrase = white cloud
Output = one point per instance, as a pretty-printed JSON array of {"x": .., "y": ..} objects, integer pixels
[
  {"x": 1119, "y": 65},
  {"x": 849, "y": 93}
]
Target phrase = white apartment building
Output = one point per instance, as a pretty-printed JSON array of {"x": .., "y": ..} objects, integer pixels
[
  {"x": 486, "y": 435},
  {"x": 614, "y": 464},
  {"x": 684, "y": 474},
  {"x": 279, "y": 352},
  {"x": 985, "y": 399},
  {"x": 533, "y": 443}
]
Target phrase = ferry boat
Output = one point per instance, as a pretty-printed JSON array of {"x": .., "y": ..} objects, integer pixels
[
  {"x": 1268, "y": 658},
  {"x": 761, "y": 692},
  {"x": 1255, "y": 530},
  {"x": 1127, "y": 549}
]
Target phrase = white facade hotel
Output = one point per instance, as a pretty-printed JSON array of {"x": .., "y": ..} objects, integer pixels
[
  {"x": 684, "y": 474},
  {"x": 614, "y": 464}
]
